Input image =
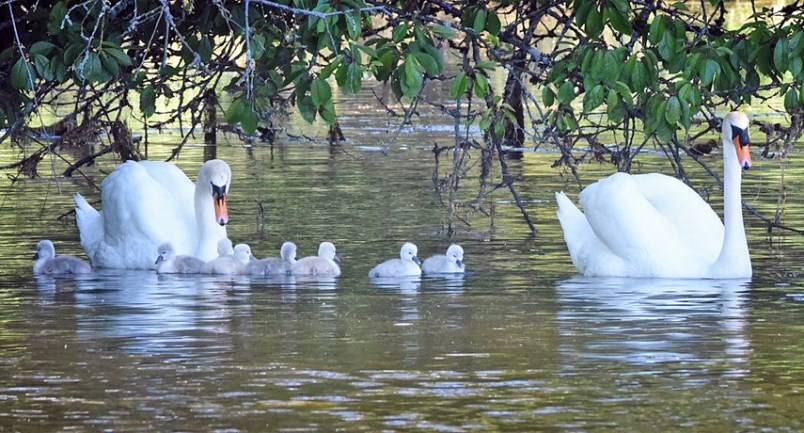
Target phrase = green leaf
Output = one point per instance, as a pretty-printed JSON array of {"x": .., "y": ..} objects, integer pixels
[
  {"x": 479, "y": 23},
  {"x": 257, "y": 46},
  {"x": 624, "y": 92},
  {"x": 618, "y": 21},
  {"x": 119, "y": 55},
  {"x": 326, "y": 72},
  {"x": 582, "y": 9},
  {"x": 443, "y": 31},
  {"x": 708, "y": 70},
  {"x": 780, "y": 55},
  {"x": 428, "y": 63},
  {"x": 481, "y": 87},
  {"x": 594, "y": 23},
  {"x": 354, "y": 25},
  {"x": 41, "y": 47},
  {"x": 92, "y": 68},
  {"x": 42, "y": 66},
  {"x": 72, "y": 52},
  {"x": 249, "y": 120},
  {"x": 665, "y": 131},
  {"x": 667, "y": 46},
  {"x": 148, "y": 101},
  {"x": 593, "y": 98},
  {"x": 306, "y": 109},
  {"x": 320, "y": 92},
  {"x": 421, "y": 37},
  {"x": 436, "y": 54},
  {"x": 57, "y": 14},
  {"x": 639, "y": 77},
  {"x": 487, "y": 65},
  {"x": 795, "y": 41},
  {"x": 622, "y": 6},
  {"x": 566, "y": 93},
  {"x": 21, "y": 75},
  {"x": 459, "y": 85},
  {"x": 611, "y": 68},
  {"x": 614, "y": 109},
  {"x": 205, "y": 48},
  {"x": 413, "y": 78},
  {"x": 657, "y": 30},
  {"x": 327, "y": 113},
  {"x": 673, "y": 111},
  {"x": 796, "y": 66},
  {"x": 109, "y": 64},
  {"x": 493, "y": 24},
  {"x": 400, "y": 32},
  {"x": 548, "y": 96},
  {"x": 570, "y": 121},
  {"x": 354, "y": 78},
  {"x": 235, "y": 111},
  {"x": 791, "y": 102}
]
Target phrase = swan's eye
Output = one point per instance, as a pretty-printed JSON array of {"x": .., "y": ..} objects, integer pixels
[
  {"x": 218, "y": 191},
  {"x": 740, "y": 136}
]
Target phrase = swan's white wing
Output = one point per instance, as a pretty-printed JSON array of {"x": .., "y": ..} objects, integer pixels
[
  {"x": 180, "y": 187},
  {"x": 589, "y": 255},
  {"x": 140, "y": 213},
  {"x": 633, "y": 229},
  {"x": 696, "y": 224},
  {"x": 90, "y": 225}
]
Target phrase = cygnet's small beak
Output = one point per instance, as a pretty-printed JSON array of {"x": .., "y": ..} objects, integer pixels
[
  {"x": 159, "y": 260},
  {"x": 337, "y": 259},
  {"x": 36, "y": 256},
  {"x": 460, "y": 263},
  {"x": 416, "y": 260}
]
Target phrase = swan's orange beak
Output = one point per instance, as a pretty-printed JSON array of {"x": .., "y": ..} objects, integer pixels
[
  {"x": 741, "y": 145},
  {"x": 219, "y": 199}
]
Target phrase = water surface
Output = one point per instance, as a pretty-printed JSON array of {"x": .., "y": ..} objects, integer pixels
[{"x": 520, "y": 343}]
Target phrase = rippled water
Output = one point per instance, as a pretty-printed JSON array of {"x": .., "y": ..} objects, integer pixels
[{"x": 518, "y": 344}]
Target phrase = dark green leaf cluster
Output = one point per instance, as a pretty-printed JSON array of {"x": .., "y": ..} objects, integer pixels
[
  {"x": 661, "y": 66},
  {"x": 649, "y": 65}
]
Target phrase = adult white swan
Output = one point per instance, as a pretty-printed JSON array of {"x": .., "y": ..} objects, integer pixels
[
  {"x": 652, "y": 225},
  {"x": 149, "y": 203}
]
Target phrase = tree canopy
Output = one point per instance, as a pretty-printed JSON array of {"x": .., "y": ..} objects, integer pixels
[{"x": 644, "y": 71}]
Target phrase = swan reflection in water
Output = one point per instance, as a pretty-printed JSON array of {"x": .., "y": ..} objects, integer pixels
[
  {"x": 141, "y": 311},
  {"x": 648, "y": 321},
  {"x": 407, "y": 285}
]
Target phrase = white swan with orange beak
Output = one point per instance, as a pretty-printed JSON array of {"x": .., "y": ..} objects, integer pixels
[
  {"x": 655, "y": 226},
  {"x": 147, "y": 204}
]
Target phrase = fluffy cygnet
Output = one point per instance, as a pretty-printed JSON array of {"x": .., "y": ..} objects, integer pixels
[
  {"x": 234, "y": 264},
  {"x": 323, "y": 264},
  {"x": 406, "y": 265},
  {"x": 451, "y": 263},
  {"x": 275, "y": 265},
  {"x": 169, "y": 263},
  {"x": 47, "y": 263}
]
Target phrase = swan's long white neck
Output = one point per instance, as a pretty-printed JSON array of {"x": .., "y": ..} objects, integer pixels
[
  {"x": 206, "y": 226},
  {"x": 734, "y": 260}
]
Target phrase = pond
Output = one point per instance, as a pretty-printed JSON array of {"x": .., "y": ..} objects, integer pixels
[{"x": 521, "y": 343}]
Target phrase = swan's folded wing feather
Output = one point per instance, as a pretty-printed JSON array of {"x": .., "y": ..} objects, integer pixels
[
  {"x": 628, "y": 224},
  {"x": 142, "y": 213},
  {"x": 694, "y": 220},
  {"x": 90, "y": 225}
]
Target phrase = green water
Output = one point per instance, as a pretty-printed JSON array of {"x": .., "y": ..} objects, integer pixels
[{"x": 518, "y": 344}]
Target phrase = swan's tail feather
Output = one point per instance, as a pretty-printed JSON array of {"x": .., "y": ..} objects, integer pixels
[
  {"x": 576, "y": 228},
  {"x": 90, "y": 225}
]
